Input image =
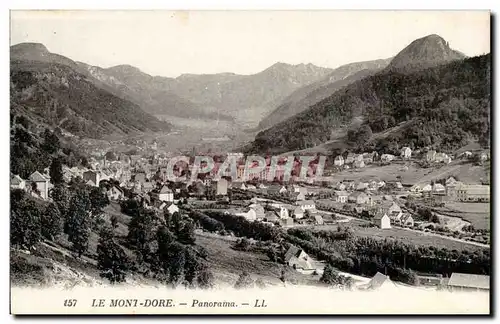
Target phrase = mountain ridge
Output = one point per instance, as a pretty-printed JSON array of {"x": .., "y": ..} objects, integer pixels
[
  {"x": 308, "y": 95},
  {"x": 457, "y": 90}
]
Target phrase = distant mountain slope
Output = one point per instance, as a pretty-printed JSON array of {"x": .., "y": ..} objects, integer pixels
[
  {"x": 424, "y": 52},
  {"x": 302, "y": 98},
  {"x": 51, "y": 89},
  {"x": 448, "y": 104},
  {"x": 248, "y": 98},
  {"x": 153, "y": 94}
]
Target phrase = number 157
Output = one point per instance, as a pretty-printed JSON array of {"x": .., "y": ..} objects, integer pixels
[{"x": 69, "y": 302}]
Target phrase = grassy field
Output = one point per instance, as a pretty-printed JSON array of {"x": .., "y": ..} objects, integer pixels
[
  {"x": 227, "y": 264},
  {"x": 414, "y": 237},
  {"x": 478, "y": 214},
  {"x": 411, "y": 173}
]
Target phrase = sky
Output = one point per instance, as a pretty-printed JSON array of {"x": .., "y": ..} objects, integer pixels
[{"x": 170, "y": 43}]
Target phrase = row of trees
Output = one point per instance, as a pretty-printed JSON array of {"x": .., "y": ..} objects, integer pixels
[
  {"x": 74, "y": 213},
  {"x": 367, "y": 256},
  {"x": 164, "y": 248}
]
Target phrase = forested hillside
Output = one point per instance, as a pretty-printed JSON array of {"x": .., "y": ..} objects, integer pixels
[
  {"x": 59, "y": 96},
  {"x": 302, "y": 98},
  {"x": 448, "y": 105}
]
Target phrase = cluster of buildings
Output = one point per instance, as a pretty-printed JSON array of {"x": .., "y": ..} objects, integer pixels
[
  {"x": 454, "y": 190},
  {"x": 37, "y": 184},
  {"x": 353, "y": 160}
]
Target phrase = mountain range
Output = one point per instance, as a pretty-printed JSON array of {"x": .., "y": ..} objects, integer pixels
[
  {"x": 284, "y": 102},
  {"x": 435, "y": 97},
  {"x": 302, "y": 98}
]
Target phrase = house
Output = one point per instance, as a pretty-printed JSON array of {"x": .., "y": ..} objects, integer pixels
[
  {"x": 382, "y": 220},
  {"x": 359, "y": 198},
  {"x": 350, "y": 158},
  {"x": 340, "y": 186},
  {"x": 259, "y": 210},
  {"x": 359, "y": 164},
  {"x": 442, "y": 158},
  {"x": 250, "y": 214},
  {"x": 368, "y": 157},
  {"x": 405, "y": 153},
  {"x": 16, "y": 182},
  {"x": 450, "y": 181},
  {"x": 298, "y": 196},
  {"x": 93, "y": 176},
  {"x": 479, "y": 193},
  {"x": 287, "y": 222},
  {"x": 306, "y": 205},
  {"x": 427, "y": 189},
  {"x": 282, "y": 190},
  {"x": 465, "y": 155},
  {"x": 416, "y": 188},
  {"x": 283, "y": 213},
  {"x": 438, "y": 189},
  {"x": 41, "y": 183},
  {"x": 380, "y": 282},
  {"x": 469, "y": 282},
  {"x": 140, "y": 177},
  {"x": 147, "y": 186},
  {"x": 297, "y": 258},
  {"x": 393, "y": 207},
  {"x": 221, "y": 186},
  {"x": 163, "y": 194},
  {"x": 339, "y": 160},
  {"x": 430, "y": 156},
  {"x": 407, "y": 220},
  {"x": 271, "y": 216},
  {"x": 484, "y": 156},
  {"x": 340, "y": 196},
  {"x": 387, "y": 157},
  {"x": 298, "y": 213},
  {"x": 362, "y": 186},
  {"x": 170, "y": 206},
  {"x": 115, "y": 193},
  {"x": 318, "y": 220}
]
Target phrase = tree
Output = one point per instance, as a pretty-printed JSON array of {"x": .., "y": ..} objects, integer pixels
[
  {"x": 52, "y": 222},
  {"x": 186, "y": 233},
  {"x": 55, "y": 171},
  {"x": 79, "y": 222},
  {"x": 98, "y": 200},
  {"x": 114, "y": 221},
  {"x": 192, "y": 267},
  {"x": 242, "y": 244},
  {"x": 260, "y": 284},
  {"x": 141, "y": 231},
  {"x": 363, "y": 134},
  {"x": 176, "y": 223},
  {"x": 176, "y": 262},
  {"x": 332, "y": 278},
  {"x": 61, "y": 197},
  {"x": 244, "y": 281},
  {"x": 205, "y": 278},
  {"x": 111, "y": 258},
  {"x": 51, "y": 142},
  {"x": 164, "y": 238},
  {"x": 25, "y": 221}
]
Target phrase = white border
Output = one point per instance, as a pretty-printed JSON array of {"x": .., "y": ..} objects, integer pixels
[{"x": 191, "y": 4}]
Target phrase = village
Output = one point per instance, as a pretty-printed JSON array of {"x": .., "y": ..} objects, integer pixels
[{"x": 374, "y": 207}]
